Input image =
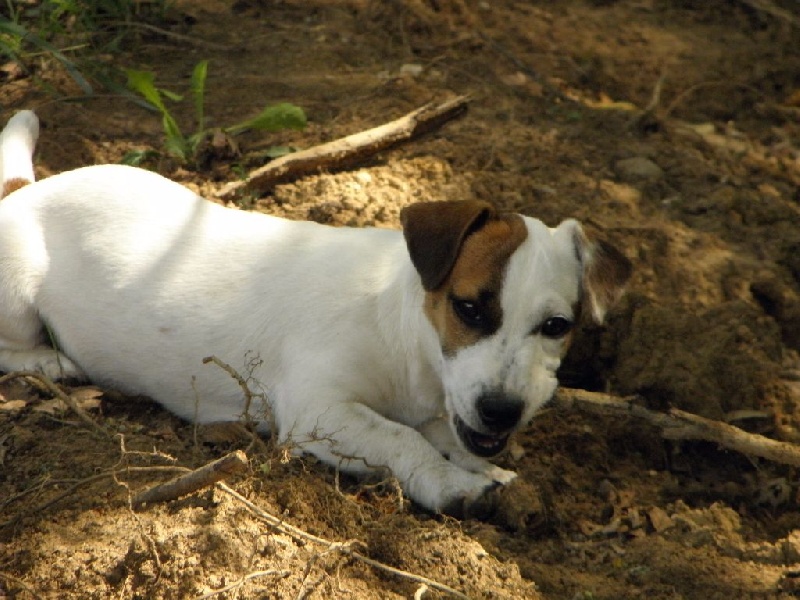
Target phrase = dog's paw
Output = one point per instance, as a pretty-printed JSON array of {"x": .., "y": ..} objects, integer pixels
[
  {"x": 476, "y": 464},
  {"x": 501, "y": 476},
  {"x": 519, "y": 506},
  {"x": 49, "y": 362}
]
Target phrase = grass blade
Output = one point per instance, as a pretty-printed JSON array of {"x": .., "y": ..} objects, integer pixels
[
  {"x": 198, "y": 93},
  {"x": 16, "y": 30}
]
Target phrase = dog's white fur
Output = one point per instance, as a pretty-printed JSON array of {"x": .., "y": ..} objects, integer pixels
[{"x": 139, "y": 279}]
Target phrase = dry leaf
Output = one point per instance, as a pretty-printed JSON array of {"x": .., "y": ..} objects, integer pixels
[
  {"x": 86, "y": 398},
  {"x": 87, "y": 393},
  {"x": 13, "y": 405}
]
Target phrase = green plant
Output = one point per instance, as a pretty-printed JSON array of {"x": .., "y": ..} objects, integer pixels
[
  {"x": 74, "y": 33},
  {"x": 272, "y": 118},
  {"x": 14, "y": 38},
  {"x": 94, "y": 24}
]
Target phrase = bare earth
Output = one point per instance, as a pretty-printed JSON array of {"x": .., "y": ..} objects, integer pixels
[{"x": 700, "y": 191}]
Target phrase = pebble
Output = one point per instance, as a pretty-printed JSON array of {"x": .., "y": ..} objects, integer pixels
[
  {"x": 638, "y": 168},
  {"x": 412, "y": 69}
]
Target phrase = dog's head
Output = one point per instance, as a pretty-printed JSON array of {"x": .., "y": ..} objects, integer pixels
[{"x": 503, "y": 293}]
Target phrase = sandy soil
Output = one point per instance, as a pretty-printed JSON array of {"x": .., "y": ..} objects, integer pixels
[{"x": 700, "y": 191}]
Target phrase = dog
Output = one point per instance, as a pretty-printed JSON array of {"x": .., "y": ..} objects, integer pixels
[{"x": 420, "y": 351}]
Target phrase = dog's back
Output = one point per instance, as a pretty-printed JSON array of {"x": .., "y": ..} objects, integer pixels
[{"x": 138, "y": 279}]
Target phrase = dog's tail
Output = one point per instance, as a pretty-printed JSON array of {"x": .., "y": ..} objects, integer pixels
[{"x": 17, "y": 143}]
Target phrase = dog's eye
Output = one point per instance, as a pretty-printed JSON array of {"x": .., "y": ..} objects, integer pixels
[
  {"x": 556, "y": 327},
  {"x": 469, "y": 312}
]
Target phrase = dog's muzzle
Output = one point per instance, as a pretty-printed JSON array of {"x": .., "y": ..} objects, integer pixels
[{"x": 499, "y": 414}]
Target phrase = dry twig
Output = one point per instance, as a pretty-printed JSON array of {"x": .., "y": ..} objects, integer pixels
[
  {"x": 207, "y": 475},
  {"x": 681, "y": 425},
  {"x": 242, "y": 580},
  {"x": 346, "y": 151},
  {"x": 250, "y": 424}
]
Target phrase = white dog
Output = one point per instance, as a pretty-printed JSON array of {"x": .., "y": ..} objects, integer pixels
[{"x": 419, "y": 351}]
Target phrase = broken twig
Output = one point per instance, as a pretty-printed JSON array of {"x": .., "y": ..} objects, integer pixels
[
  {"x": 346, "y": 151},
  {"x": 681, "y": 425},
  {"x": 207, "y": 475}
]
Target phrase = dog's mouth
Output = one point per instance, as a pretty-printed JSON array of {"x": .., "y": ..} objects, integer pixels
[{"x": 480, "y": 444}]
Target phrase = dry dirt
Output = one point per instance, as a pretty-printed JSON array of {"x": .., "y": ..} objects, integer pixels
[{"x": 700, "y": 191}]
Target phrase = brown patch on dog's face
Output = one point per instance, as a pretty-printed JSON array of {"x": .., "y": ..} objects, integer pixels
[
  {"x": 466, "y": 306},
  {"x": 12, "y": 185}
]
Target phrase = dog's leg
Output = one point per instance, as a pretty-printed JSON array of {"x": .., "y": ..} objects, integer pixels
[
  {"x": 49, "y": 362},
  {"x": 22, "y": 347},
  {"x": 440, "y": 435},
  {"x": 351, "y": 436},
  {"x": 21, "y": 343}
]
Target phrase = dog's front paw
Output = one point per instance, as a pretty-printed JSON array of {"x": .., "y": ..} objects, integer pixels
[
  {"x": 519, "y": 506},
  {"x": 501, "y": 476}
]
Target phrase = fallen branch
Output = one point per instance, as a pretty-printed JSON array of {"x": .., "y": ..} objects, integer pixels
[
  {"x": 681, "y": 425},
  {"x": 346, "y": 151},
  {"x": 75, "y": 486},
  {"x": 198, "y": 479}
]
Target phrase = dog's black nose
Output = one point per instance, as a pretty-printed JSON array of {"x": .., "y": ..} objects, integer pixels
[{"x": 498, "y": 411}]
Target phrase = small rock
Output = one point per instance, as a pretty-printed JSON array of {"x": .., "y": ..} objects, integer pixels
[
  {"x": 659, "y": 519},
  {"x": 516, "y": 451},
  {"x": 413, "y": 69},
  {"x": 638, "y": 168}
]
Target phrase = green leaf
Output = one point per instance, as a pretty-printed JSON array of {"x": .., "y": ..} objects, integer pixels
[
  {"x": 143, "y": 82},
  {"x": 134, "y": 158},
  {"x": 198, "y": 93},
  {"x": 171, "y": 95},
  {"x": 175, "y": 143},
  {"x": 114, "y": 86},
  {"x": 278, "y": 151},
  {"x": 273, "y": 118},
  {"x": 194, "y": 141}
]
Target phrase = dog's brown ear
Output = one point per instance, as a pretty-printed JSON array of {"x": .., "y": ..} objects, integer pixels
[
  {"x": 435, "y": 231},
  {"x": 605, "y": 272}
]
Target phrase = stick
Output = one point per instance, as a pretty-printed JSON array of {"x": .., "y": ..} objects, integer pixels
[
  {"x": 205, "y": 476},
  {"x": 346, "y": 151},
  {"x": 681, "y": 425}
]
